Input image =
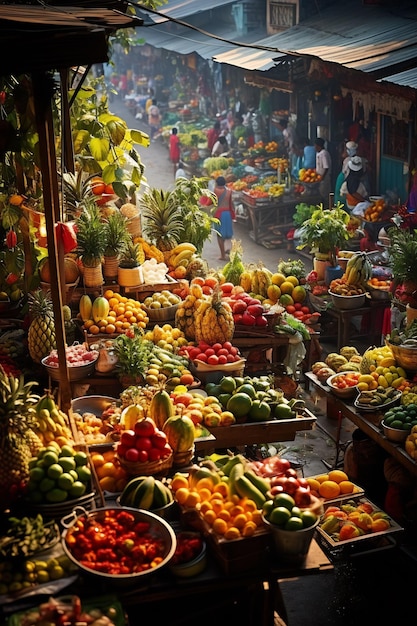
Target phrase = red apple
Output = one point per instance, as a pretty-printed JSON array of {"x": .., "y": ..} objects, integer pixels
[
  {"x": 143, "y": 456},
  {"x": 128, "y": 438},
  {"x": 145, "y": 427},
  {"x": 143, "y": 443},
  {"x": 302, "y": 497},
  {"x": 159, "y": 440},
  {"x": 154, "y": 454},
  {"x": 132, "y": 454}
]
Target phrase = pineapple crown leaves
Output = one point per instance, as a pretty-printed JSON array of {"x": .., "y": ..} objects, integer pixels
[
  {"x": 162, "y": 220},
  {"x": 117, "y": 235},
  {"x": 40, "y": 304},
  {"x": 403, "y": 254},
  {"x": 129, "y": 255},
  {"x": 17, "y": 401},
  {"x": 91, "y": 234}
]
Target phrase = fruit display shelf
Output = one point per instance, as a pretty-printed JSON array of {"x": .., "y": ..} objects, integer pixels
[{"x": 252, "y": 433}]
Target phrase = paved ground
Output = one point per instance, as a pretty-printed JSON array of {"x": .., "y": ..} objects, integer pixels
[{"x": 373, "y": 588}]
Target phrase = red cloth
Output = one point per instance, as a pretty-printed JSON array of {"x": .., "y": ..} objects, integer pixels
[
  {"x": 225, "y": 202},
  {"x": 212, "y": 136},
  {"x": 174, "y": 148}
]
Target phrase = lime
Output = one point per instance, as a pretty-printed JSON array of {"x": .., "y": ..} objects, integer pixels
[
  {"x": 54, "y": 471},
  {"x": 284, "y": 499},
  {"x": 56, "y": 495},
  {"x": 224, "y": 398},
  {"x": 283, "y": 411},
  {"x": 227, "y": 384},
  {"x": 46, "y": 484},
  {"x": 267, "y": 508},
  {"x": 73, "y": 473},
  {"x": 67, "y": 463},
  {"x": 84, "y": 474},
  {"x": 279, "y": 515},
  {"x": 396, "y": 424},
  {"x": 77, "y": 490},
  {"x": 43, "y": 577},
  {"x": 67, "y": 450},
  {"x": 295, "y": 511},
  {"x": 294, "y": 523},
  {"x": 248, "y": 389},
  {"x": 308, "y": 518},
  {"x": 33, "y": 462},
  {"x": 80, "y": 458},
  {"x": 239, "y": 404},
  {"x": 65, "y": 481},
  {"x": 56, "y": 572},
  {"x": 50, "y": 458},
  {"x": 260, "y": 411},
  {"x": 36, "y": 474}
]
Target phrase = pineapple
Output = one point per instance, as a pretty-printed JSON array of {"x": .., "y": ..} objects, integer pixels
[
  {"x": 76, "y": 191},
  {"x": 18, "y": 440},
  {"x": 41, "y": 334},
  {"x": 162, "y": 223}
]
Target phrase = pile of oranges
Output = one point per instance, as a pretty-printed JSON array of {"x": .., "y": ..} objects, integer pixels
[
  {"x": 331, "y": 485},
  {"x": 124, "y": 312},
  {"x": 110, "y": 474},
  {"x": 374, "y": 212}
]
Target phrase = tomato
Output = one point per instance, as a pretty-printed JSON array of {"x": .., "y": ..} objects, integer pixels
[
  {"x": 209, "y": 352},
  {"x": 222, "y": 359},
  {"x": 216, "y": 347},
  {"x": 213, "y": 359}
]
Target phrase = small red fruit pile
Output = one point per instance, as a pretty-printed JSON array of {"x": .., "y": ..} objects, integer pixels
[
  {"x": 302, "y": 312},
  {"x": 76, "y": 355},
  {"x": 215, "y": 354},
  {"x": 247, "y": 310},
  {"x": 284, "y": 479},
  {"x": 145, "y": 443},
  {"x": 189, "y": 546}
]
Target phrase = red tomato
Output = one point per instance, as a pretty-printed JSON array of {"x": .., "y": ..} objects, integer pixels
[
  {"x": 143, "y": 456},
  {"x": 216, "y": 347},
  {"x": 213, "y": 359},
  {"x": 222, "y": 359},
  {"x": 209, "y": 352},
  {"x": 202, "y": 356}
]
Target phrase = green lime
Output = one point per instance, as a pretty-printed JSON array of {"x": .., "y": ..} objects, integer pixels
[
  {"x": 80, "y": 458},
  {"x": 308, "y": 518},
  {"x": 50, "y": 458},
  {"x": 284, "y": 499},
  {"x": 67, "y": 463},
  {"x": 279, "y": 515},
  {"x": 65, "y": 481},
  {"x": 56, "y": 495},
  {"x": 77, "y": 490},
  {"x": 54, "y": 471},
  {"x": 294, "y": 523},
  {"x": 227, "y": 384},
  {"x": 267, "y": 507},
  {"x": 224, "y": 398},
  {"x": 397, "y": 424},
  {"x": 46, "y": 484},
  {"x": 239, "y": 404},
  {"x": 283, "y": 411},
  {"x": 73, "y": 473},
  {"x": 36, "y": 474},
  {"x": 67, "y": 450},
  {"x": 295, "y": 511},
  {"x": 248, "y": 389},
  {"x": 84, "y": 474}
]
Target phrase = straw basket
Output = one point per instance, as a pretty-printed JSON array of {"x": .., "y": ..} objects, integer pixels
[
  {"x": 182, "y": 459},
  {"x": 151, "y": 468},
  {"x": 134, "y": 226},
  {"x": 110, "y": 267},
  {"x": 93, "y": 276}
]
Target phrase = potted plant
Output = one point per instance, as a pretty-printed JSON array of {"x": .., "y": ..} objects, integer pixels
[
  {"x": 133, "y": 354},
  {"x": 129, "y": 272},
  {"x": 402, "y": 253},
  {"x": 117, "y": 238},
  {"x": 91, "y": 243},
  {"x": 324, "y": 233}
]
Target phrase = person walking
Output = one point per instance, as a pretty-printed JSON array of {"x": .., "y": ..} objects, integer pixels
[
  {"x": 352, "y": 187},
  {"x": 225, "y": 213},
  {"x": 154, "y": 119},
  {"x": 323, "y": 168},
  {"x": 174, "y": 148}
]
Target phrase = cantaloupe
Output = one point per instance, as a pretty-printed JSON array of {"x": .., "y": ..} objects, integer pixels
[{"x": 71, "y": 270}]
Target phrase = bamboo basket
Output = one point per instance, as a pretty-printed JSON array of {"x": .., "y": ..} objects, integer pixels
[
  {"x": 134, "y": 226},
  {"x": 151, "y": 468},
  {"x": 93, "y": 276},
  {"x": 182, "y": 459},
  {"x": 110, "y": 267}
]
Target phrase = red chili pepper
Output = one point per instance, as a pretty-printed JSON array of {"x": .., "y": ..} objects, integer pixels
[
  {"x": 11, "y": 278},
  {"x": 2, "y": 97}
]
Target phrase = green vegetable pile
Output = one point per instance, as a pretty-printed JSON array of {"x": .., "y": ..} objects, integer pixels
[
  {"x": 28, "y": 535},
  {"x": 213, "y": 164},
  {"x": 292, "y": 267}
]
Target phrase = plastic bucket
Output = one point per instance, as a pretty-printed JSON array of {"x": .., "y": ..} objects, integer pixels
[{"x": 292, "y": 546}]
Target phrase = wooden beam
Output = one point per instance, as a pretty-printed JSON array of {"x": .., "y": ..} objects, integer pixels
[{"x": 42, "y": 90}]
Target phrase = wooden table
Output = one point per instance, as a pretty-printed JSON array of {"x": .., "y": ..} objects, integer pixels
[{"x": 369, "y": 423}]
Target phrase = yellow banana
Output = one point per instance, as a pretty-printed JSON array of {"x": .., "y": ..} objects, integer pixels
[
  {"x": 178, "y": 259},
  {"x": 181, "y": 247}
]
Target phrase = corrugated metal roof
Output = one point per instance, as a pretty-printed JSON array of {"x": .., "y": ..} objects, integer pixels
[
  {"x": 406, "y": 79},
  {"x": 178, "y": 9},
  {"x": 183, "y": 40},
  {"x": 368, "y": 38}
]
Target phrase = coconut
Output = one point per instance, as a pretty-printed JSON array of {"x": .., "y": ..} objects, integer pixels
[{"x": 71, "y": 270}]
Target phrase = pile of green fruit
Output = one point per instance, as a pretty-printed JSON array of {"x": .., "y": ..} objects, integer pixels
[
  {"x": 253, "y": 399},
  {"x": 281, "y": 511},
  {"x": 18, "y": 576},
  {"x": 58, "y": 475},
  {"x": 402, "y": 417}
]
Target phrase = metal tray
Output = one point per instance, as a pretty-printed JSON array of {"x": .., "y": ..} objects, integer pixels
[{"x": 362, "y": 539}]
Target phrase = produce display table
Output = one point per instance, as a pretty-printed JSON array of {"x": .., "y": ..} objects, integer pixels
[
  {"x": 343, "y": 317},
  {"x": 369, "y": 423}
]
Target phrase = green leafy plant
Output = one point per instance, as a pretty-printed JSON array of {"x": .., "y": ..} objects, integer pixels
[
  {"x": 303, "y": 212},
  {"x": 325, "y": 231},
  {"x": 91, "y": 235},
  {"x": 402, "y": 253},
  {"x": 133, "y": 353},
  {"x": 117, "y": 234}
]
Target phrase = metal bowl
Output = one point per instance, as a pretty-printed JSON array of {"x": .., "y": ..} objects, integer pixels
[
  {"x": 345, "y": 394},
  {"x": 196, "y": 565},
  {"x": 348, "y": 302},
  {"x": 159, "y": 529},
  {"x": 75, "y": 373},
  {"x": 163, "y": 314},
  {"x": 93, "y": 404},
  {"x": 379, "y": 293},
  {"x": 394, "y": 434},
  {"x": 406, "y": 357}
]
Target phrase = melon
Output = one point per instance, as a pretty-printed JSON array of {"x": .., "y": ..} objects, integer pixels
[{"x": 71, "y": 270}]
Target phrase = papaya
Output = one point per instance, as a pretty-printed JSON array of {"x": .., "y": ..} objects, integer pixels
[
  {"x": 180, "y": 433},
  {"x": 86, "y": 307},
  {"x": 161, "y": 408},
  {"x": 100, "y": 309}
]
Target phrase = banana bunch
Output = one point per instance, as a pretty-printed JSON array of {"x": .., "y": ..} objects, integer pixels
[
  {"x": 180, "y": 255},
  {"x": 52, "y": 422},
  {"x": 256, "y": 280},
  {"x": 358, "y": 269}
]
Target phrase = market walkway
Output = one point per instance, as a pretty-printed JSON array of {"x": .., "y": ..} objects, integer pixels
[{"x": 372, "y": 588}]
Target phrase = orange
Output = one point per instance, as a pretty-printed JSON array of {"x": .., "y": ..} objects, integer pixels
[
  {"x": 181, "y": 494},
  {"x": 249, "y": 506},
  {"x": 192, "y": 499},
  {"x": 322, "y": 477},
  {"x": 249, "y": 529},
  {"x": 240, "y": 520},
  {"x": 205, "y": 483},
  {"x": 219, "y": 526},
  {"x": 97, "y": 459},
  {"x": 108, "y": 483},
  {"x": 278, "y": 278},
  {"x": 274, "y": 292},
  {"x": 108, "y": 294},
  {"x": 293, "y": 280},
  {"x": 286, "y": 287},
  {"x": 346, "y": 486},
  {"x": 178, "y": 481},
  {"x": 217, "y": 505},
  {"x": 237, "y": 510},
  {"x": 206, "y": 506},
  {"x": 314, "y": 484},
  {"x": 338, "y": 476},
  {"x": 329, "y": 489},
  {"x": 232, "y": 533},
  {"x": 210, "y": 517},
  {"x": 204, "y": 494},
  {"x": 224, "y": 514},
  {"x": 286, "y": 299},
  {"x": 222, "y": 489}
]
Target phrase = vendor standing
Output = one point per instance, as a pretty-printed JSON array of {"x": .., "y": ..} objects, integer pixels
[
  {"x": 352, "y": 187},
  {"x": 323, "y": 168}
]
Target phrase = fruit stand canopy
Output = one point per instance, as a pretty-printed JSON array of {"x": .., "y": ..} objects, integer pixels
[{"x": 43, "y": 36}]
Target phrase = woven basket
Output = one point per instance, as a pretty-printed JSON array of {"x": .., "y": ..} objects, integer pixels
[
  {"x": 151, "y": 468},
  {"x": 110, "y": 267},
  {"x": 181, "y": 459},
  {"x": 134, "y": 226},
  {"x": 93, "y": 276}
]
